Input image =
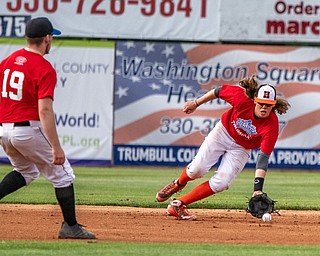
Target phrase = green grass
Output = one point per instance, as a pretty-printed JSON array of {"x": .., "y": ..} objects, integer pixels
[
  {"x": 137, "y": 187},
  {"x": 20, "y": 248},
  {"x": 58, "y": 41}
]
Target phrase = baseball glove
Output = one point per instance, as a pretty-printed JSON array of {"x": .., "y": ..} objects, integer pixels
[{"x": 260, "y": 204}]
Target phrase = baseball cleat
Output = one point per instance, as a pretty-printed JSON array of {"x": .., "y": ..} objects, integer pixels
[
  {"x": 167, "y": 191},
  {"x": 74, "y": 232},
  {"x": 179, "y": 210}
]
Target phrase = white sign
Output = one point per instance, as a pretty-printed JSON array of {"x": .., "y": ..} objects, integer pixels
[
  {"x": 270, "y": 21},
  {"x": 83, "y": 101},
  {"x": 135, "y": 19}
]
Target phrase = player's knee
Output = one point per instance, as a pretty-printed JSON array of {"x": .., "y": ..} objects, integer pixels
[
  {"x": 196, "y": 173},
  {"x": 218, "y": 185},
  {"x": 63, "y": 182},
  {"x": 29, "y": 177}
]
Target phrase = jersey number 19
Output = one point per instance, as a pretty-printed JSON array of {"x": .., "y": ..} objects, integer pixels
[{"x": 15, "y": 81}]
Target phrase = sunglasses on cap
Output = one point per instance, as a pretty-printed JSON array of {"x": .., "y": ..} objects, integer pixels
[{"x": 265, "y": 104}]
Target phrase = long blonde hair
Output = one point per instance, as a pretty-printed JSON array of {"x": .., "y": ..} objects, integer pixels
[{"x": 251, "y": 86}]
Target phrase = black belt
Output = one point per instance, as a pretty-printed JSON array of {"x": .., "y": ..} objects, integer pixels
[{"x": 24, "y": 123}]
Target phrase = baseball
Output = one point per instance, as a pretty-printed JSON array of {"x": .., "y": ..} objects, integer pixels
[{"x": 266, "y": 217}]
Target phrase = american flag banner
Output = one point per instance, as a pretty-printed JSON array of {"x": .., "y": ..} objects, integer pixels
[{"x": 153, "y": 80}]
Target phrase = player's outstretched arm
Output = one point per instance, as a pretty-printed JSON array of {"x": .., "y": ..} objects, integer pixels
[{"x": 191, "y": 106}]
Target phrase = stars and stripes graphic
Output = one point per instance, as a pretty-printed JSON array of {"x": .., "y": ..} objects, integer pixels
[{"x": 154, "y": 79}]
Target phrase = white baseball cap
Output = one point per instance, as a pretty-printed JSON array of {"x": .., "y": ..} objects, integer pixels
[{"x": 266, "y": 94}]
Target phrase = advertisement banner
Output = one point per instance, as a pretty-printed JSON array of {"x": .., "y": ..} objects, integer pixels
[
  {"x": 124, "y": 19},
  {"x": 270, "y": 21},
  {"x": 83, "y": 99},
  {"x": 185, "y": 20},
  {"x": 154, "y": 80}
]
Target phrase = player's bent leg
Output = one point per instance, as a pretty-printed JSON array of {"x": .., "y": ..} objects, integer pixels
[
  {"x": 200, "y": 165},
  {"x": 198, "y": 193},
  {"x": 59, "y": 175},
  {"x": 218, "y": 184},
  {"x": 11, "y": 182},
  {"x": 232, "y": 163}
]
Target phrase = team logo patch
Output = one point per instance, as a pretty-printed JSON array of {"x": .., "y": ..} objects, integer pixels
[
  {"x": 247, "y": 126},
  {"x": 20, "y": 60},
  {"x": 266, "y": 94}
]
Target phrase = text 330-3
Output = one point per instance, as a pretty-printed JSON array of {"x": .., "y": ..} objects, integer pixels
[{"x": 179, "y": 125}]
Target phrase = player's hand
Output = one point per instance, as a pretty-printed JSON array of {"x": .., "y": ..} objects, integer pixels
[
  {"x": 189, "y": 107},
  {"x": 58, "y": 156},
  {"x": 258, "y": 192}
]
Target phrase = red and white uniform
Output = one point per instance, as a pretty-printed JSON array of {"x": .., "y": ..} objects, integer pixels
[
  {"x": 26, "y": 77},
  {"x": 232, "y": 139},
  {"x": 242, "y": 126}
]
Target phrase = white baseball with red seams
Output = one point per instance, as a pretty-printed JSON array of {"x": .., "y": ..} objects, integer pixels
[{"x": 266, "y": 217}]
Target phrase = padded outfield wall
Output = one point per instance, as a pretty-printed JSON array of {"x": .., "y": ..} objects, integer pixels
[{"x": 136, "y": 119}]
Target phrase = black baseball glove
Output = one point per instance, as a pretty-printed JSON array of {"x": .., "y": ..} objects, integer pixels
[{"x": 260, "y": 204}]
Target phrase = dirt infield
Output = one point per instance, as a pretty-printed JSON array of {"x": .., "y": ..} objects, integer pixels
[{"x": 42, "y": 222}]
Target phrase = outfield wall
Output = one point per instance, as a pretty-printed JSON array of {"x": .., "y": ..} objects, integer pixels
[
  {"x": 119, "y": 102},
  {"x": 151, "y": 87}
]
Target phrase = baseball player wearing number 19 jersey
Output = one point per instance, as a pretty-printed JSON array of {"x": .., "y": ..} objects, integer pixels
[
  {"x": 250, "y": 123},
  {"x": 27, "y": 124}
]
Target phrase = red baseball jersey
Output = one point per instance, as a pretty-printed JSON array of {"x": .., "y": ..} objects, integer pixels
[
  {"x": 25, "y": 77},
  {"x": 241, "y": 124}
]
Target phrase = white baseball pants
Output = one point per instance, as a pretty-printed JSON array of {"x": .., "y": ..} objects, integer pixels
[
  {"x": 218, "y": 144},
  {"x": 30, "y": 154}
]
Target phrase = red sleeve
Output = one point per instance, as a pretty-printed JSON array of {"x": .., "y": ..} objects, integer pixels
[
  {"x": 233, "y": 94},
  {"x": 47, "y": 84}
]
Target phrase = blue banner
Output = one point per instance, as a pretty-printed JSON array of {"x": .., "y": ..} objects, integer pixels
[{"x": 181, "y": 156}]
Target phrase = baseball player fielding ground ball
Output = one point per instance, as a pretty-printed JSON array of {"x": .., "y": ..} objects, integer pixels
[
  {"x": 250, "y": 123},
  {"x": 28, "y": 132}
]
